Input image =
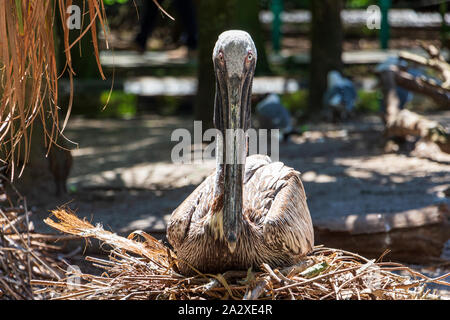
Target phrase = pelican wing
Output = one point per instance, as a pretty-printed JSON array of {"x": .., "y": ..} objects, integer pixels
[
  {"x": 196, "y": 204},
  {"x": 276, "y": 195},
  {"x": 288, "y": 223}
]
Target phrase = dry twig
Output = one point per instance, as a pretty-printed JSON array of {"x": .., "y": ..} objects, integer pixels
[{"x": 24, "y": 255}]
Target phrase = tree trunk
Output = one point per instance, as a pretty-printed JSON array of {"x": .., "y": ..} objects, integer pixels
[
  {"x": 45, "y": 175},
  {"x": 83, "y": 57},
  {"x": 326, "y": 48},
  {"x": 214, "y": 17},
  {"x": 48, "y": 174},
  {"x": 247, "y": 19}
]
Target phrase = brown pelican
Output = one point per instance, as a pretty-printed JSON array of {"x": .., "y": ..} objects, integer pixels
[{"x": 237, "y": 219}]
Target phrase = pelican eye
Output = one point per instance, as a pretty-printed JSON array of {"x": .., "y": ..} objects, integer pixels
[
  {"x": 221, "y": 56},
  {"x": 250, "y": 56}
]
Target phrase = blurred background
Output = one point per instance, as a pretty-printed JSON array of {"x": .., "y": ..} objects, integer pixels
[{"x": 293, "y": 48}]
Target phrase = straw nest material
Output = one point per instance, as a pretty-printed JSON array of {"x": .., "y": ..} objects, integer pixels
[
  {"x": 140, "y": 267},
  {"x": 24, "y": 254}
]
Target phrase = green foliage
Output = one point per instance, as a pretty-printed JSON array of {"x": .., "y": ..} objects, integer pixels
[
  {"x": 169, "y": 105},
  {"x": 120, "y": 105},
  {"x": 359, "y": 4},
  {"x": 294, "y": 4},
  {"x": 19, "y": 16},
  {"x": 296, "y": 102},
  {"x": 305, "y": 4},
  {"x": 113, "y": 2},
  {"x": 368, "y": 101}
]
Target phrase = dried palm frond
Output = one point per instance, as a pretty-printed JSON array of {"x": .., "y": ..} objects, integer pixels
[
  {"x": 24, "y": 254},
  {"x": 28, "y": 69},
  {"x": 148, "y": 270},
  {"x": 29, "y": 75}
]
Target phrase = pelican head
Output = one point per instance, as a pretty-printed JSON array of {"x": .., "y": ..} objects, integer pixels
[
  {"x": 333, "y": 78},
  {"x": 234, "y": 59}
]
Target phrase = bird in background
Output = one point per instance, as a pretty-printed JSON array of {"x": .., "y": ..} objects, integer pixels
[
  {"x": 251, "y": 210},
  {"x": 340, "y": 96},
  {"x": 272, "y": 114}
]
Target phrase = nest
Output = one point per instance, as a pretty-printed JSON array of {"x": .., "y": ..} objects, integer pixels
[
  {"x": 140, "y": 267},
  {"x": 24, "y": 254}
]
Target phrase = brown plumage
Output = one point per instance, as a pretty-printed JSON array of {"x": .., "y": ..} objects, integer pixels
[
  {"x": 244, "y": 214},
  {"x": 276, "y": 224}
]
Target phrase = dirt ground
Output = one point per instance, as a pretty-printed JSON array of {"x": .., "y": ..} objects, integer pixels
[{"x": 123, "y": 176}]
